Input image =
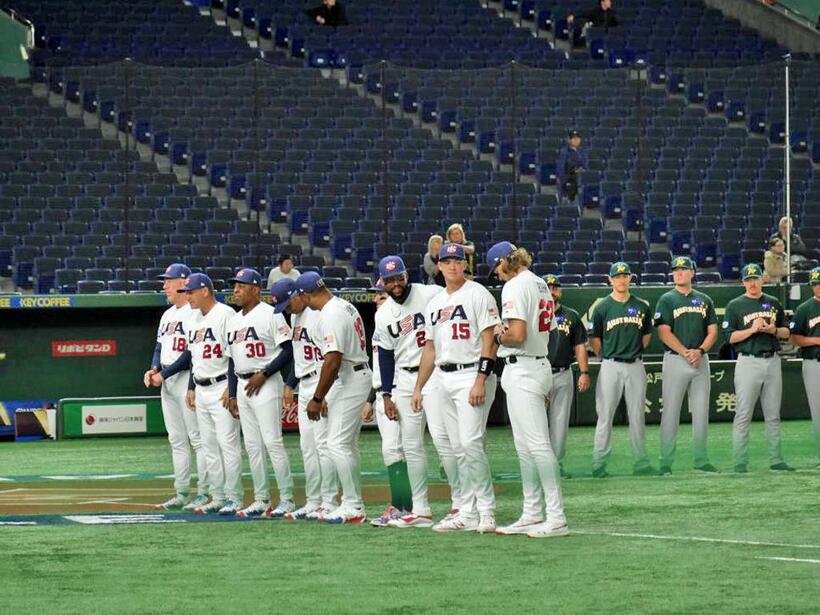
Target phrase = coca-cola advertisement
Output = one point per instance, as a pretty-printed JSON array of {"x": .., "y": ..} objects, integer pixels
[{"x": 290, "y": 419}]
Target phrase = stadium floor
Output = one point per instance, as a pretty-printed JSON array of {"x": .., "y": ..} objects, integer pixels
[{"x": 675, "y": 544}]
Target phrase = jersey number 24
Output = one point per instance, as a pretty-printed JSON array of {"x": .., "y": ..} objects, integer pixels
[{"x": 545, "y": 309}]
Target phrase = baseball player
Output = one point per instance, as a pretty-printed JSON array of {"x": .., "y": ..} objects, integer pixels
[
  {"x": 259, "y": 348},
  {"x": 687, "y": 326},
  {"x": 619, "y": 329},
  {"x": 401, "y": 502},
  {"x": 568, "y": 338},
  {"x": 460, "y": 348},
  {"x": 523, "y": 341},
  {"x": 754, "y": 322},
  {"x": 805, "y": 332},
  {"x": 219, "y": 429},
  {"x": 320, "y": 473},
  {"x": 170, "y": 369},
  {"x": 344, "y": 345}
]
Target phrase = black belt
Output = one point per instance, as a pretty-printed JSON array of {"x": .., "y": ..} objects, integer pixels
[
  {"x": 359, "y": 367},
  {"x": 454, "y": 367},
  {"x": 558, "y": 370},
  {"x": 513, "y": 359},
  {"x": 762, "y": 355},
  {"x": 205, "y": 382},
  {"x": 246, "y": 376},
  {"x": 412, "y": 370},
  {"x": 310, "y": 375},
  {"x": 618, "y": 360}
]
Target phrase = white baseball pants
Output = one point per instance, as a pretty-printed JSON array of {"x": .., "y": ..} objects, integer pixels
[
  {"x": 412, "y": 438},
  {"x": 183, "y": 434},
  {"x": 220, "y": 438},
  {"x": 450, "y": 453},
  {"x": 320, "y": 473}
]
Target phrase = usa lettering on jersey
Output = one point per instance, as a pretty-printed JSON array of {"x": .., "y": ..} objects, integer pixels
[
  {"x": 173, "y": 328},
  {"x": 407, "y": 324},
  {"x": 243, "y": 334},
  {"x": 451, "y": 312}
]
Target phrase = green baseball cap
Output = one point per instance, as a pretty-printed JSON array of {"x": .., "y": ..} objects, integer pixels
[
  {"x": 619, "y": 268},
  {"x": 814, "y": 276},
  {"x": 682, "y": 262},
  {"x": 751, "y": 271},
  {"x": 552, "y": 280}
]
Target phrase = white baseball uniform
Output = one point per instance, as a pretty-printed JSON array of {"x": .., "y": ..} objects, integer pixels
[
  {"x": 253, "y": 342},
  {"x": 208, "y": 343},
  {"x": 527, "y": 379},
  {"x": 454, "y": 324},
  {"x": 320, "y": 473},
  {"x": 180, "y": 422},
  {"x": 390, "y": 431},
  {"x": 342, "y": 331}
]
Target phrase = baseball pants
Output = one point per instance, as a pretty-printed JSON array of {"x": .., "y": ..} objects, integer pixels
[
  {"x": 220, "y": 438},
  {"x": 558, "y": 410},
  {"x": 811, "y": 379},
  {"x": 757, "y": 378},
  {"x": 344, "y": 421},
  {"x": 183, "y": 435},
  {"x": 320, "y": 473},
  {"x": 527, "y": 384},
  {"x": 466, "y": 425},
  {"x": 680, "y": 378},
  {"x": 390, "y": 432},
  {"x": 412, "y": 439},
  {"x": 450, "y": 453},
  {"x": 261, "y": 419},
  {"x": 617, "y": 379}
]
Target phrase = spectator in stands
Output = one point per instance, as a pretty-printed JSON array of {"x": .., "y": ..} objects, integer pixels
[
  {"x": 329, "y": 13},
  {"x": 455, "y": 234},
  {"x": 602, "y": 16},
  {"x": 797, "y": 248},
  {"x": 284, "y": 270},
  {"x": 774, "y": 262},
  {"x": 434, "y": 275},
  {"x": 572, "y": 159}
]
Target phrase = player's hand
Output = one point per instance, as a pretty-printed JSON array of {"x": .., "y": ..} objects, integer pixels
[
  {"x": 157, "y": 379},
  {"x": 320, "y": 20},
  {"x": 225, "y": 397},
  {"x": 146, "y": 378},
  {"x": 390, "y": 409},
  {"x": 769, "y": 328},
  {"x": 255, "y": 384},
  {"x": 324, "y": 407},
  {"x": 287, "y": 398},
  {"x": 758, "y": 324},
  {"x": 190, "y": 400},
  {"x": 233, "y": 408},
  {"x": 416, "y": 401},
  {"x": 477, "y": 393},
  {"x": 367, "y": 412},
  {"x": 314, "y": 410},
  {"x": 583, "y": 383}
]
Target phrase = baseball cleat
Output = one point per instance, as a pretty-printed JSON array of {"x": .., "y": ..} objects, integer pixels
[
  {"x": 781, "y": 467},
  {"x": 300, "y": 513},
  {"x": 564, "y": 473},
  {"x": 600, "y": 472},
  {"x": 486, "y": 524},
  {"x": 456, "y": 523},
  {"x": 412, "y": 520},
  {"x": 707, "y": 467},
  {"x": 524, "y": 525},
  {"x": 211, "y": 507},
  {"x": 741, "y": 468},
  {"x": 197, "y": 502},
  {"x": 549, "y": 529},
  {"x": 320, "y": 513},
  {"x": 177, "y": 502},
  {"x": 665, "y": 471},
  {"x": 646, "y": 471},
  {"x": 230, "y": 508},
  {"x": 284, "y": 507},
  {"x": 254, "y": 510},
  {"x": 349, "y": 516},
  {"x": 390, "y": 513},
  {"x": 453, "y": 513}
]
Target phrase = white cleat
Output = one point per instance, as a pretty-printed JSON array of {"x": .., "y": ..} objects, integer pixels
[
  {"x": 254, "y": 510},
  {"x": 178, "y": 502},
  {"x": 198, "y": 502},
  {"x": 523, "y": 526},
  {"x": 300, "y": 514},
  {"x": 549, "y": 529},
  {"x": 211, "y": 507},
  {"x": 320, "y": 513},
  {"x": 412, "y": 520},
  {"x": 349, "y": 516},
  {"x": 390, "y": 513},
  {"x": 456, "y": 523},
  {"x": 453, "y": 513},
  {"x": 486, "y": 524},
  {"x": 284, "y": 507},
  {"x": 230, "y": 508}
]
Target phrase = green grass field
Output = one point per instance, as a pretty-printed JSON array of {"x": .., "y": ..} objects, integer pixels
[{"x": 680, "y": 544}]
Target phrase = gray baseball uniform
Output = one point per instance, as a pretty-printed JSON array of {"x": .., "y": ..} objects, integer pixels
[{"x": 806, "y": 322}]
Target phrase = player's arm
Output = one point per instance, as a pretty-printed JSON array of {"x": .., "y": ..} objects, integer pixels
[
  {"x": 426, "y": 366},
  {"x": 646, "y": 328},
  {"x": 710, "y": 339},
  {"x": 670, "y": 339},
  {"x": 182, "y": 363},
  {"x": 595, "y": 344},
  {"x": 781, "y": 331},
  {"x": 155, "y": 360},
  {"x": 804, "y": 340},
  {"x": 515, "y": 335},
  {"x": 330, "y": 370},
  {"x": 486, "y": 366}
]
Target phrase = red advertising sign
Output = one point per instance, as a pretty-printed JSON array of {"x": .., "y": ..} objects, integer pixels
[{"x": 84, "y": 348}]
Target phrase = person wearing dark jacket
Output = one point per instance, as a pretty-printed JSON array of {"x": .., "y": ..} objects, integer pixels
[
  {"x": 572, "y": 159},
  {"x": 602, "y": 16},
  {"x": 329, "y": 13}
]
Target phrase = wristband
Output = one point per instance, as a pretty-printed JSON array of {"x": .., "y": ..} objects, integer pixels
[
  {"x": 317, "y": 400},
  {"x": 585, "y": 373},
  {"x": 702, "y": 351},
  {"x": 486, "y": 366}
]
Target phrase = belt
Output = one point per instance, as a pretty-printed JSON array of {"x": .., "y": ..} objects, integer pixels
[
  {"x": 246, "y": 376},
  {"x": 558, "y": 370},
  {"x": 513, "y": 359},
  {"x": 206, "y": 382},
  {"x": 454, "y": 367},
  {"x": 762, "y": 355},
  {"x": 619, "y": 360},
  {"x": 360, "y": 367},
  {"x": 378, "y": 390},
  {"x": 412, "y": 370},
  {"x": 310, "y": 375}
]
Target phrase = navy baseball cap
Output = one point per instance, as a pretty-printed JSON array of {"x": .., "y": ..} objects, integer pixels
[
  {"x": 391, "y": 266},
  {"x": 573, "y": 133},
  {"x": 309, "y": 281},
  {"x": 247, "y": 276},
  {"x": 175, "y": 271},
  {"x": 814, "y": 276},
  {"x": 280, "y": 294},
  {"x": 451, "y": 250},
  {"x": 500, "y": 250},
  {"x": 197, "y": 281},
  {"x": 751, "y": 271}
]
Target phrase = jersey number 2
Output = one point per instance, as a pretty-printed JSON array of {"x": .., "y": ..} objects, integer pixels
[{"x": 545, "y": 315}]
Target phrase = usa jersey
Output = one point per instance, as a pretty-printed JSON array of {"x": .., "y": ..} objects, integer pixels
[
  {"x": 400, "y": 326},
  {"x": 527, "y": 297},
  {"x": 343, "y": 331},
  {"x": 254, "y": 338},
  {"x": 307, "y": 351},
  {"x": 172, "y": 333},
  {"x": 455, "y": 321},
  {"x": 208, "y": 341}
]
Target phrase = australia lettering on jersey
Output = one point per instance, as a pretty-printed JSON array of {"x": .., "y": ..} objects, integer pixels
[
  {"x": 690, "y": 309},
  {"x": 562, "y": 325},
  {"x": 245, "y": 333},
  {"x": 769, "y": 314},
  {"x": 814, "y": 322},
  {"x": 451, "y": 312},
  {"x": 406, "y": 325},
  {"x": 636, "y": 320},
  {"x": 174, "y": 327},
  {"x": 201, "y": 335}
]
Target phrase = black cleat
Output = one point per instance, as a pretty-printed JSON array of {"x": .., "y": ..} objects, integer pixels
[
  {"x": 600, "y": 472},
  {"x": 781, "y": 467},
  {"x": 647, "y": 471},
  {"x": 741, "y": 469},
  {"x": 707, "y": 467},
  {"x": 665, "y": 471}
]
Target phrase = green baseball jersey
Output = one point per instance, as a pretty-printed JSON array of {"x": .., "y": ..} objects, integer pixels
[
  {"x": 806, "y": 322},
  {"x": 568, "y": 331},
  {"x": 689, "y": 316},
  {"x": 621, "y": 326},
  {"x": 742, "y": 311}
]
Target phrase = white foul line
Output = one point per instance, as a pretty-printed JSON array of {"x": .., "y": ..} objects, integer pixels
[
  {"x": 728, "y": 541},
  {"x": 792, "y": 559}
]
